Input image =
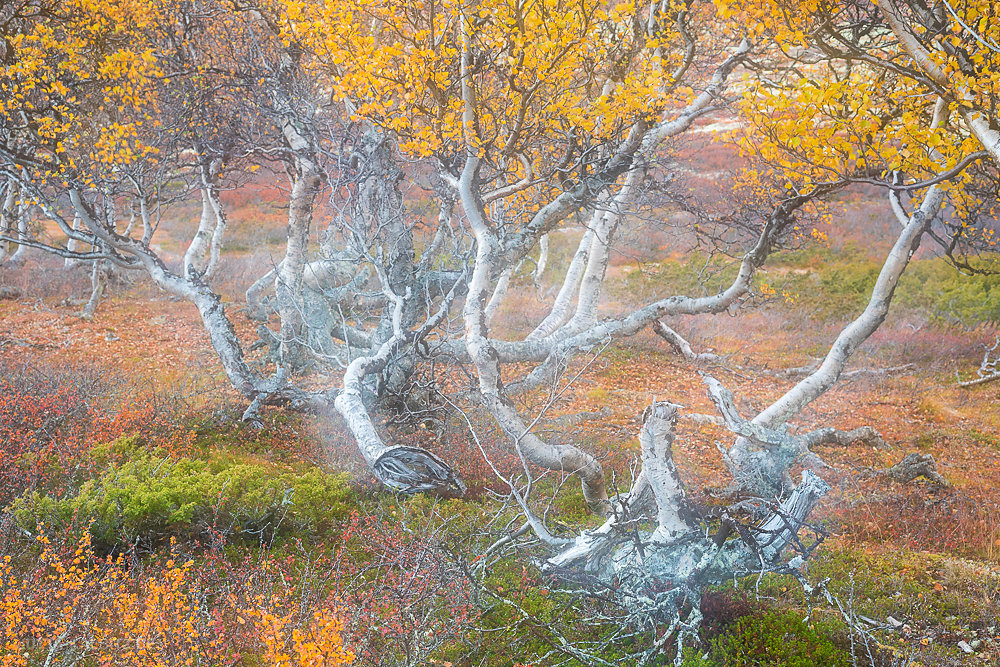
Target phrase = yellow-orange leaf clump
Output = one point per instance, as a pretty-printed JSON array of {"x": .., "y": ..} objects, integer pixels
[{"x": 76, "y": 606}]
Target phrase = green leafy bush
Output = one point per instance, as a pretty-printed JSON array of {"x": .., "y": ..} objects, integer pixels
[
  {"x": 771, "y": 639},
  {"x": 145, "y": 496},
  {"x": 839, "y": 284},
  {"x": 939, "y": 289}
]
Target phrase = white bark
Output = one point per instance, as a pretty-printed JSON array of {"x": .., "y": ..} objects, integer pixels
[
  {"x": 983, "y": 130},
  {"x": 98, "y": 283},
  {"x": 499, "y": 292},
  {"x": 608, "y": 214},
  {"x": 218, "y": 234},
  {"x": 682, "y": 347},
  {"x": 196, "y": 256},
  {"x": 488, "y": 257},
  {"x": 605, "y": 224},
  {"x": 567, "y": 458},
  {"x": 71, "y": 244},
  {"x": 8, "y": 226},
  {"x": 220, "y": 330},
  {"x": 255, "y": 296},
  {"x": 989, "y": 367},
  {"x": 401, "y": 468},
  {"x": 762, "y": 455},
  {"x": 197, "y": 259},
  {"x": 22, "y": 231},
  {"x": 305, "y": 178},
  {"x": 657, "y": 440},
  {"x": 543, "y": 260},
  {"x": 564, "y": 299},
  {"x": 681, "y": 559},
  {"x": 858, "y": 331}
]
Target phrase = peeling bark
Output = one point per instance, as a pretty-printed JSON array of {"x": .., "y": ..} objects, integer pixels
[
  {"x": 866, "y": 435},
  {"x": 401, "y": 468},
  {"x": 659, "y": 576},
  {"x": 657, "y": 440},
  {"x": 305, "y": 179}
]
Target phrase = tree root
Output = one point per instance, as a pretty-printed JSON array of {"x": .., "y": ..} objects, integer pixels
[
  {"x": 831, "y": 436},
  {"x": 916, "y": 465}
]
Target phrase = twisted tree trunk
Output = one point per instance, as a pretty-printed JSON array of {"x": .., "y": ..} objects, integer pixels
[
  {"x": 305, "y": 176},
  {"x": 658, "y": 577},
  {"x": 763, "y": 466}
]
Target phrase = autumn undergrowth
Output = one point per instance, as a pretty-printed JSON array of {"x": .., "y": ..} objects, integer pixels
[{"x": 253, "y": 536}]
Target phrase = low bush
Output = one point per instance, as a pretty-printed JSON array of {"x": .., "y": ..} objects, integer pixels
[
  {"x": 771, "y": 639},
  {"x": 144, "y": 496},
  {"x": 50, "y": 415},
  {"x": 69, "y": 607}
]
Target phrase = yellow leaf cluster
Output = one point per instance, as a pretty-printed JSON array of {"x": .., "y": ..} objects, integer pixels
[
  {"x": 813, "y": 116},
  {"x": 539, "y": 70},
  {"x": 158, "y": 619}
]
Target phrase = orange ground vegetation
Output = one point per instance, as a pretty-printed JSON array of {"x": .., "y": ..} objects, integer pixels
[
  {"x": 160, "y": 344},
  {"x": 107, "y": 613}
]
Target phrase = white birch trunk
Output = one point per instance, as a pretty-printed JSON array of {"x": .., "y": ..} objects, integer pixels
[
  {"x": 499, "y": 292},
  {"x": 566, "y": 458},
  {"x": 98, "y": 283},
  {"x": 22, "y": 231},
  {"x": 218, "y": 234},
  {"x": 605, "y": 224},
  {"x": 72, "y": 244},
  {"x": 543, "y": 260},
  {"x": 289, "y": 272},
  {"x": 679, "y": 558},
  {"x": 761, "y": 462},
  {"x": 657, "y": 440},
  {"x": 202, "y": 255},
  {"x": 858, "y": 331},
  {"x": 564, "y": 299},
  {"x": 8, "y": 227},
  {"x": 196, "y": 256}
]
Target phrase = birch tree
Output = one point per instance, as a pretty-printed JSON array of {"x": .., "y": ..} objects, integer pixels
[{"x": 516, "y": 120}]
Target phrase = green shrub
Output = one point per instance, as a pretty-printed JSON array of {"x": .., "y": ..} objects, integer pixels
[
  {"x": 839, "y": 285},
  {"x": 772, "y": 639},
  {"x": 147, "y": 496},
  {"x": 939, "y": 289},
  {"x": 830, "y": 284}
]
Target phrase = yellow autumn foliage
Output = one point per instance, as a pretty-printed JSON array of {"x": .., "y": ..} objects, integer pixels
[{"x": 81, "y": 606}]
